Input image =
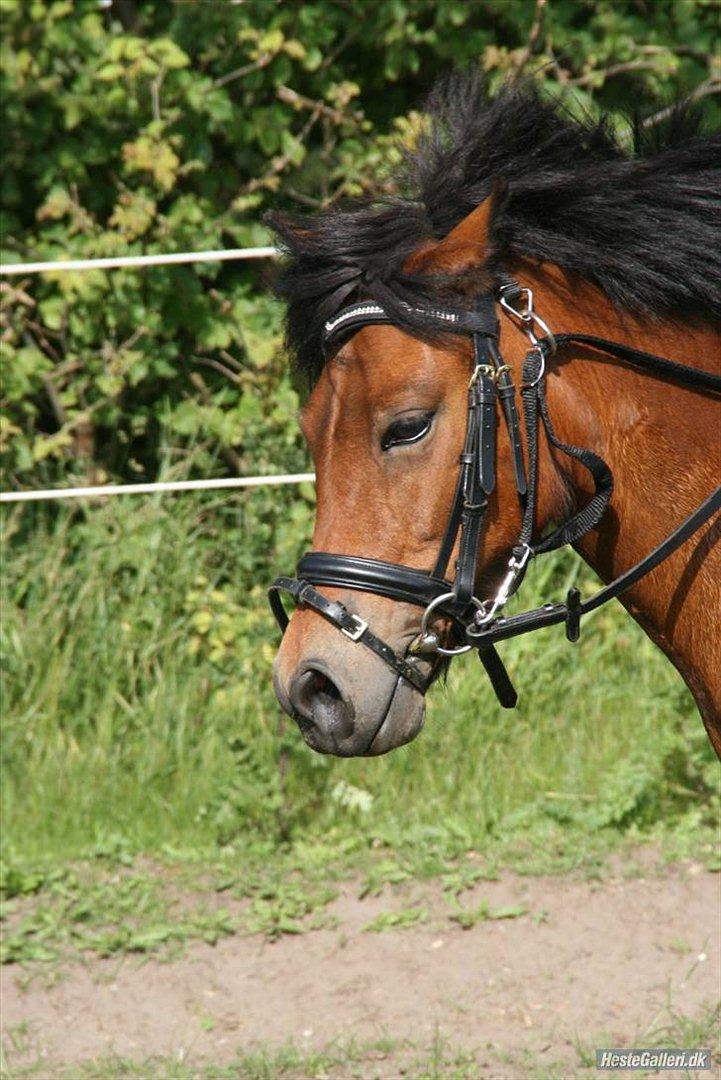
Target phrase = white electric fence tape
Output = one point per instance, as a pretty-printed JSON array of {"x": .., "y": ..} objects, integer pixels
[
  {"x": 8, "y": 269},
  {"x": 149, "y": 489}
]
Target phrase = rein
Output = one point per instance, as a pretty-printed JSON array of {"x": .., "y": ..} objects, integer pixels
[{"x": 480, "y": 622}]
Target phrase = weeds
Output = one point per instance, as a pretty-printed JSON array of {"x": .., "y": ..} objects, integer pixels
[
  {"x": 458, "y": 880},
  {"x": 285, "y": 910},
  {"x": 79, "y": 913},
  {"x": 384, "y": 873},
  {"x": 467, "y": 917},
  {"x": 397, "y": 920}
]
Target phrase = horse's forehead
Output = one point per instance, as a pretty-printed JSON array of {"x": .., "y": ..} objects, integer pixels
[{"x": 378, "y": 364}]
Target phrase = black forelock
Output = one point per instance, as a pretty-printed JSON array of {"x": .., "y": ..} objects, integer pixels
[{"x": 643, "y": 224}]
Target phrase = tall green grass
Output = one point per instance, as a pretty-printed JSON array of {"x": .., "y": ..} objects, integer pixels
[{"x": 137, "y": 703}]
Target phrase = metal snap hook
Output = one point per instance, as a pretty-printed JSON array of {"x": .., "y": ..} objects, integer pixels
[{"x": 528, "y": 316}]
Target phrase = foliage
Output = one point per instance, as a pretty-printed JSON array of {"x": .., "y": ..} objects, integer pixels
[
  {"x": 106, "y": 915},
  {"x": 166, "y": 126}
]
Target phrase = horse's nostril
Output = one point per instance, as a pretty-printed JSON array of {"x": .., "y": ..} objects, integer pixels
[
  {"x": 318, "y": 702},
  {"x": 322, "y": 686}
]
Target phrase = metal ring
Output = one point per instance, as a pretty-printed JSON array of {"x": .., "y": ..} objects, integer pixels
[
  {"x": 460, "y": 649},
  {"x": 547, "y": 331}
]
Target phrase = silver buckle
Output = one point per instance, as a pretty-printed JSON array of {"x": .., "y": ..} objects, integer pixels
[{"x": 360, "y": 629}]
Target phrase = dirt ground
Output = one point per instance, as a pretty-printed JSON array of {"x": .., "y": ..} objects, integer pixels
[{"x": 592, "y": 963}]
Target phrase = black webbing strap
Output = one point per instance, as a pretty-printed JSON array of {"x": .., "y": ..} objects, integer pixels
[
  {"x": 351, "y": 625},
  {"x": 679, "y": 536},
  {"x": 535, "y": 405},
  {"x": 571, "y": 611},
  {"x": 658, "y": 365}
]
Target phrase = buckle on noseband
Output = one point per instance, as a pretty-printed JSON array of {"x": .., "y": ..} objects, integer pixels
[{"x": 360, "y": 628}]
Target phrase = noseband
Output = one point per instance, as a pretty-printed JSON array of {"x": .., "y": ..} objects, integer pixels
[{"x": 479, "y": 624}]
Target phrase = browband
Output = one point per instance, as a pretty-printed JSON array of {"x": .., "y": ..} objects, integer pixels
[{"x": 368, "y": 313}]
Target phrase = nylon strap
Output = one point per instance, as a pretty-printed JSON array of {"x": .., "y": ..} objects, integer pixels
[
  {"x": 552, "y": 614},
  {"x": 588, "y": 517}
]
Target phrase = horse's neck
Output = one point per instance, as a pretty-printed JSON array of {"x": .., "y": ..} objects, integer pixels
[{"x": 663, "y": 444}]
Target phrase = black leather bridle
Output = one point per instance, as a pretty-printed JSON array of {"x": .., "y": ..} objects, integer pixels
[{"x": 479, "y": 624}]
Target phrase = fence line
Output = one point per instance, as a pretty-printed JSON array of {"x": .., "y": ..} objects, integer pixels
[
  {"x": 164, "y": 486},
  {"x": 9, "y": 269}
]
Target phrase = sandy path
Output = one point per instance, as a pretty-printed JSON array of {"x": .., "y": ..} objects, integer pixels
[{"x": 605, "y": 958}]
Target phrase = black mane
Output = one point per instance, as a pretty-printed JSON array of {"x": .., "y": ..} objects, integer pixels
[{"x": 643, "y": 224}]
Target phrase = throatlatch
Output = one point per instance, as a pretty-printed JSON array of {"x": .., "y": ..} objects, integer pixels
[{"x": 479, "y": 624}]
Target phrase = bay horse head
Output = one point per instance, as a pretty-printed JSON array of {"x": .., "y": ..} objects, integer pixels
[{"x": 418, "y": 321}]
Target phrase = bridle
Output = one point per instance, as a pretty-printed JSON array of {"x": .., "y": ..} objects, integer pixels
[{"x": 479, "y": 624}]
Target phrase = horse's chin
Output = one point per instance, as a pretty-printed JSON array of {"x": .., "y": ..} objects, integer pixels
[{"x": 403, "y": 721}]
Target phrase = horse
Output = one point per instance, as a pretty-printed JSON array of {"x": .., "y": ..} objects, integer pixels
[{"x": 521, "y": 233}]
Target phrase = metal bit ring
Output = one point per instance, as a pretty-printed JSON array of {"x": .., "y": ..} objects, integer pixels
[{"x": 460, "y": 649}]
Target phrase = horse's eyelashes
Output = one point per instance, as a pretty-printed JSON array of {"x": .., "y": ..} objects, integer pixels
[{"x": 407, "y": 429}]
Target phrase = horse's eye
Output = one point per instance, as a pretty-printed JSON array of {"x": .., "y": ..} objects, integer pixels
[{"x": 407, "y": 429}]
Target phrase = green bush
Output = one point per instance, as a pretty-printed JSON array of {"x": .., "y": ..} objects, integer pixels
[{"x": 158, "y": 126}]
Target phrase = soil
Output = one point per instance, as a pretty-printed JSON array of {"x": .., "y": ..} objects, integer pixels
[{"x": 593, "y": 963}]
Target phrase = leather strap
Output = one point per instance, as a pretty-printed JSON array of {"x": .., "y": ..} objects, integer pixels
[
  {"x": 649, "y": 362},
  {"x": 507, "y": 397},
  {"x": 483, "y": 403},
  {"x": 351, "y": 625},
  {"x": 495, "y": 669},
  {"x": 368, "y": 313},
  {"x": 551, "y": 614},
  {"x": 403, "y": 583}
]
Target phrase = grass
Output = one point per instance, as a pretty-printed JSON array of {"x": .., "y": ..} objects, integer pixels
[
  {"x": 346, "y": 1059},
  {"x": 672, "y": 1029},
  {"x": 139, "y": 721}
]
